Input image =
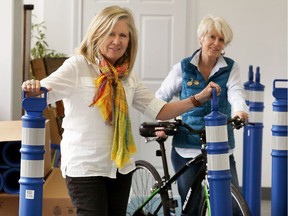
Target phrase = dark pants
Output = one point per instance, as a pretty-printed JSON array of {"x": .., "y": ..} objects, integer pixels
[
  {"x": 185, "y": 180},
  {"x": 103, "y": 196}
]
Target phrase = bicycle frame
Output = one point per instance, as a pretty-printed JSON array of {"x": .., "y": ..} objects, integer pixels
[
  {"x": 148, "y": 130},
  {"x": 168, "y": 181}
]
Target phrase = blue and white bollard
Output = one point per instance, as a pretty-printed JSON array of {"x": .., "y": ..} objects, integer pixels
[
  {"x": 279, "y": 150},
  {"x": 246, "y": 163},
  {"x": 252, "y": 188},
  {"x": 32, "y": 156},
  {"x": 219, "y": 176},
  {"x": 248, "y": 83}
]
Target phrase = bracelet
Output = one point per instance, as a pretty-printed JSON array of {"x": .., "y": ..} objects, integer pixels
[{"x": 195, "y": 102}]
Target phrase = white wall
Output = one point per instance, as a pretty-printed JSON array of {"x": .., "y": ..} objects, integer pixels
[
  {"x": 11, "y": 59},
  {"x": 260, "y": 39},
  {"x": 59, "y": 20}
]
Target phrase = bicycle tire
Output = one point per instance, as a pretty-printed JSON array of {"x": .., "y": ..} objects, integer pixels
[
  {"x": 237, "y": 199},
  {"x": 145, "y": 177}
]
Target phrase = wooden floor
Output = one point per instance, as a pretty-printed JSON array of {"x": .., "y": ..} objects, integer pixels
[{"x": 265, "y": 208}]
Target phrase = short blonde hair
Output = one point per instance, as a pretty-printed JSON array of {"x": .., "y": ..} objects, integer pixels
[
  {"x": 222, "y": 27},
  {"x": 99, "y": 29}
]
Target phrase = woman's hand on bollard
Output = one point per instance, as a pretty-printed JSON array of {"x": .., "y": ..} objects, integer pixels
[{"x": 32, "y": 87}]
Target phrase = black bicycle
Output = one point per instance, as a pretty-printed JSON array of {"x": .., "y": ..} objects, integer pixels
[{"x": 152, "y": 194}]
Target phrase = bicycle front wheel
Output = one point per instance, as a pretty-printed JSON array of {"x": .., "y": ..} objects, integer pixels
[
  {"x": 240, "y": 207},
  {"x": 145, "y": 180}
]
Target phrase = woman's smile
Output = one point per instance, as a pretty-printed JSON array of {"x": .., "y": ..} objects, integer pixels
[{"x": 115, "y": 45}]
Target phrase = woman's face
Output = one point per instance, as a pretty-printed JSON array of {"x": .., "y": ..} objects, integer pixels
[
  {"x": 212, "y": 43},
  {"x": 115, "y": 45}
]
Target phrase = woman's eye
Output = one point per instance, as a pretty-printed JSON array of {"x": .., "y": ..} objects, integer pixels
[{"x": 123, "y": 35}]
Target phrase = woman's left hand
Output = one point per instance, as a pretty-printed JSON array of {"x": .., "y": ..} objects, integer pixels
[
  {"x": 161, "y": 134},
  {"x": 242, "y": 115}
]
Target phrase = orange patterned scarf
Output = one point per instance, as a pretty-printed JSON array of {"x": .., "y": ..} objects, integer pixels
[{"x": 111, "y": 100}]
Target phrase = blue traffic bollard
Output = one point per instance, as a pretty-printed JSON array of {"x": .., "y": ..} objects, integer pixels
[
  {"x": 248, "y": 83},
  {"x": 279, "y": 150},
  {"x": 246, "y": 163},
  {"x": 32, "y": 155},
  {"x": 219, "y": 176},
  {"x": 252, "y": 188}
]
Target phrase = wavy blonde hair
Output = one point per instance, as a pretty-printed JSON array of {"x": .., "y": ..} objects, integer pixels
[
  {"x": 100, "y": 28},
  {"x": 220, "y": 24}
]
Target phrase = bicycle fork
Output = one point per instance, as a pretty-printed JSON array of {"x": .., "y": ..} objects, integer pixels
[{"x": 205, "y": 186}]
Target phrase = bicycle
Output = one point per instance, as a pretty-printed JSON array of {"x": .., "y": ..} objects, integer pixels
[{"x": 152, "y": 194}]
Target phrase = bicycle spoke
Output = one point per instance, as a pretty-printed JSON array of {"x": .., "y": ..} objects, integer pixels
[{"x": 143, "y": 184}]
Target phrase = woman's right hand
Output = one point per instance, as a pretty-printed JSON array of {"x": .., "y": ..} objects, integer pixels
[
  {"x": 206, "y": 93},
  {"x": 31, "y": 87}
]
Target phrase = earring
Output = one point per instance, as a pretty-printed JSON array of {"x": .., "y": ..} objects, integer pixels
[{"x": 223, "y": 52}]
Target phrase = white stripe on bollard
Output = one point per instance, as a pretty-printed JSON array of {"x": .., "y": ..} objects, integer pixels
[
  {"x": 256, "y": 96},
  {"x": 280, "y": 118},
  {"x": 255, "y": 117},
  {"x": 36, "y": 172},
  {"x": 216, "y": 133},
  {"x": 280, "y": 143},
  {"x": 218, "y": 162},
  {"x": 33, "y": 136},
  {"x": 248, "y": 93}
]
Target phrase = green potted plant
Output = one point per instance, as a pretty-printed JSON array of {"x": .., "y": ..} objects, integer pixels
[{"x": 43, "y": 59}]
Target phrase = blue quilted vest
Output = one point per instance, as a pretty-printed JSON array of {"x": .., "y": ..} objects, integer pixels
[{"x": 193, "y": 82}]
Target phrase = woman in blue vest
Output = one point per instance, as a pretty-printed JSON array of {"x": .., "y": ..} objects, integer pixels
[{"x": 190, "y": 77}]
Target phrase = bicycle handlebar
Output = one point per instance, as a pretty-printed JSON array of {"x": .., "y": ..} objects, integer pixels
[{"x": 148, "y": 129}]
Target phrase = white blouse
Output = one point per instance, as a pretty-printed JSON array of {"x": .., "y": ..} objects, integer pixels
[{"x": 87, "y": 140}]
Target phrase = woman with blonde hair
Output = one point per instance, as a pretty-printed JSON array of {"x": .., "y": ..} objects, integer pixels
[
  {"x": 189, "y": 77},
  {"x": 98, "y": 88}
]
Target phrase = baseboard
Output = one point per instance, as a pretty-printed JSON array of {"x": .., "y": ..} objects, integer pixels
[{"x": 265, "y": 193}]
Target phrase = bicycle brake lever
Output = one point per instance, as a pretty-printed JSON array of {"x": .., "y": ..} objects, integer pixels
[{"x": 237, "y": 122}]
